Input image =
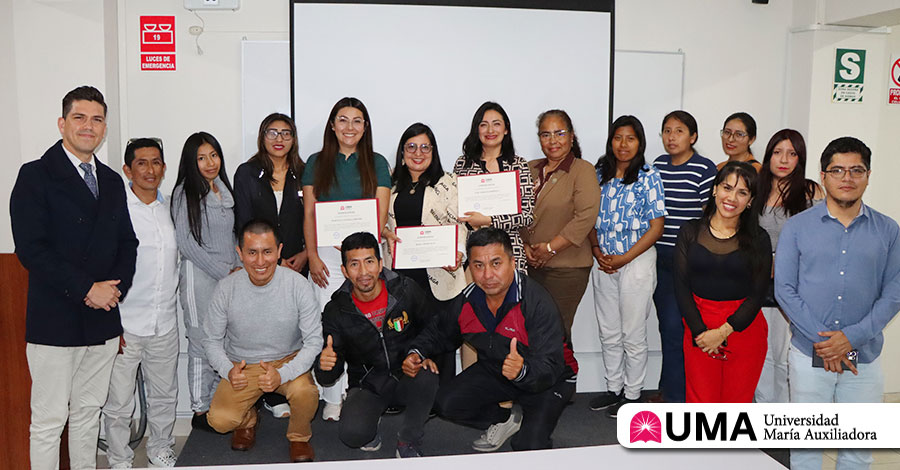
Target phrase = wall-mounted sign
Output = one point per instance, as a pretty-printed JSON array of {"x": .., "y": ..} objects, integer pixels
[
  {"x": 894, "y": 81},
  {"x": 157, "y": 43},
  {"x": 849, "y": 75}
]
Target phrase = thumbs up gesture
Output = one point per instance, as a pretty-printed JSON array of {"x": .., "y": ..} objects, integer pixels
[
  {"x": 237, "y": 377},
  {"x": 328, "y": 358},
  {"x": 271, "y": 379},
  {"x": 513, "y": 363}
]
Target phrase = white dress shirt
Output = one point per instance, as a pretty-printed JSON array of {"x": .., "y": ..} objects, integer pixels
[{"x": 149, "y": 307}]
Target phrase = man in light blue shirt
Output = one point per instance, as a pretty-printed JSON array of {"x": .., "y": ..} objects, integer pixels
[{"x": 837, "y": 277}]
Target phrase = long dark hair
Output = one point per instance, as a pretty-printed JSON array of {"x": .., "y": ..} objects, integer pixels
[
  {"x": 472, "y": 147},
  {"x": 325, "y": 174},
  {"x": 607, "y": 163},
  {"x": 576, "y": 148},
  {"x": 748, "y": 221},
  {"x": 401, "y": 179},
  {"x": 796, "y": 191},
  {"x": 261, "y": 157},
  {"x": 193, "y": 183}
]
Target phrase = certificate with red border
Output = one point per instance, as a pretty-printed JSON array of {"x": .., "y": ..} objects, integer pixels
[
  {"x": 490, "y": 193},
  {"x": 337, "y": 219},
  {"x": 427, "y": 246}
]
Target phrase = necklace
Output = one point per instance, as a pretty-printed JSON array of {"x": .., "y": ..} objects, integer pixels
[
  {"x": 414, "y": 187},
  {"x": 721, "y": 235}
]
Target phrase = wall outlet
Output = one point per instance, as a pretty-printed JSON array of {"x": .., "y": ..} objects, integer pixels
[{"x": 212, "y": 4}]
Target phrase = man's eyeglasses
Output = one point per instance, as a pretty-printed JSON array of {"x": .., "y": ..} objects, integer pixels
[
  {"x": 856, "y": 172},
  {"x": 273, "y": 134},
  {"x": 155, "y": 139}
]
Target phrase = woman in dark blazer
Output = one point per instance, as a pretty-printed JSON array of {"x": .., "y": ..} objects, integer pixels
[{"x": 267, "y": 186}]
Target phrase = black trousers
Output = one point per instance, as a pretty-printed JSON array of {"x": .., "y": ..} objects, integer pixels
[
  {"x": 363, "y": 408},
  {"x": 472, "y": 398}
]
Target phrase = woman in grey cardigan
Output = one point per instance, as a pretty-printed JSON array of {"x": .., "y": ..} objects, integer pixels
[{"x": 203, "y": 212}]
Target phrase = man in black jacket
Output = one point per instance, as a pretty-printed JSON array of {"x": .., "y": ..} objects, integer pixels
[
  {"x": 74, "y": 236},
  {"x": 369, "y": 324},
  {"x": 515, "y": 327}
]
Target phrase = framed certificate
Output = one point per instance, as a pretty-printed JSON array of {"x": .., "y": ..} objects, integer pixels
[
  {"x": 429, "y": 246},
  {"x": 337, "y": 219},
  {"x": 490, "y": 193}
]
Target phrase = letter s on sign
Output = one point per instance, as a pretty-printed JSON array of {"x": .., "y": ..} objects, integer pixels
[{"x": 850, "y": 62}]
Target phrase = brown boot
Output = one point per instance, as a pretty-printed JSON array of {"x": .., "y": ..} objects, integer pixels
[
  {"x": 244, "y": 438},
  {"x": 302, "y": 452}
]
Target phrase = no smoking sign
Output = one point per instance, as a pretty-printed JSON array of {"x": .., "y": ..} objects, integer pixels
[{"x": 894, "y": 83}]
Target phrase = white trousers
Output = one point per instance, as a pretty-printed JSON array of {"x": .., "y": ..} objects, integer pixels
[
  {"x": 773, "y": 382},
  {"x": 622, "y": 303},
  {"x": 158, "y": 358},
  {"x": 67, "y": 383},
  {"x": 332, "y": 258}
]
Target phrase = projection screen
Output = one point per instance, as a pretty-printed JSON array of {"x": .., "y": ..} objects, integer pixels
[{"x": 436, "y": 62}]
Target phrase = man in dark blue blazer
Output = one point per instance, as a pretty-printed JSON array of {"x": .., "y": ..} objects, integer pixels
[{"x": 73, "y": 234}]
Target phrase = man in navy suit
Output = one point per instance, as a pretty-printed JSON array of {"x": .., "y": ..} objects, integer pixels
[{"x": 73, "y": 234}]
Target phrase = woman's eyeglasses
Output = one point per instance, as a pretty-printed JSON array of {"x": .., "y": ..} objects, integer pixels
[
  {"x": 273, "y": 134},
  {"x": 411, "y": 148}
]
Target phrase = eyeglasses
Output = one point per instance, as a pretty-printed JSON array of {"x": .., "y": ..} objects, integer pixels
[
  {"x": 286, "y": 134},
  {"x": 837, "y": 173},
  {"x": 344, "y": 121},
  {"x": 560, "y": 134},
  {"x": 728, "y": 133},
  {"x": 425, "y": 149},
  {"x": 155, "y": 139},
  {"x": 722, "y": 355}
]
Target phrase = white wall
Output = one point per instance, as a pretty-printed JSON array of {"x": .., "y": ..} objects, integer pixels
[{"x": 736, "y": 58}]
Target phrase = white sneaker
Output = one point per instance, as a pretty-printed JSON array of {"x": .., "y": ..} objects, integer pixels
[
  {"x": 164, "y": 459},
  {"x": 497, "y": 434},
  {"x": 282, "y": 410},
  {"x": 331, "y": 412},
  {"x": 122, "y": 465}
]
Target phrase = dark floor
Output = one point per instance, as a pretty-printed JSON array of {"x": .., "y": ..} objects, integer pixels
[{"x": 578, "y": 426}]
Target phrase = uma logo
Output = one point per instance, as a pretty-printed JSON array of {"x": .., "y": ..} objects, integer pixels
[
  {"x": 717, "y": 430},
  {"x": 645, "y": 426}
]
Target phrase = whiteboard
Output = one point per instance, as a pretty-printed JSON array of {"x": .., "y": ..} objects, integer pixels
[{"x": 647, "y": 84}]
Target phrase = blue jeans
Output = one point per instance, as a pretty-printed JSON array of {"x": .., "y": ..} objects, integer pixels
[
  {"x": 671, "y": 329},
  {"x": 814, "y": 385}
]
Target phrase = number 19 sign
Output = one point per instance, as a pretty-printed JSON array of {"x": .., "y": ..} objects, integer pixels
[{"x": 157, "y": 43}]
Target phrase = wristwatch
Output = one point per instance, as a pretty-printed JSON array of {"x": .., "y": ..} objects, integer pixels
[{"x": 550, "y": 250}]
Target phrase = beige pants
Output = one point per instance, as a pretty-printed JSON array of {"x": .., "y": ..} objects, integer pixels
[
  {"x": 68, "y": 383},
  {"x": 231, "y": 409}
]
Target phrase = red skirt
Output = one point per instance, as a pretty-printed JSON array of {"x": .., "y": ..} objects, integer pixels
[{"x": 732, "y": 375}]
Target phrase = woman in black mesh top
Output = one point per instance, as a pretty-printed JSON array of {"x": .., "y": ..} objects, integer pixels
[{"x": 722, "y": 273}]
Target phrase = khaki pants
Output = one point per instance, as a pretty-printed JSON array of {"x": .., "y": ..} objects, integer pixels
[
  {"x": 232, "y": 409},
  {"x": 67, "y": 383}
]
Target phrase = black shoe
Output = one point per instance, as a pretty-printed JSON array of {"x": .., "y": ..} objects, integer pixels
[
  {"x": 394, "y": 410},
  {"x": 613, "y": 411},
  {"x": 200, "y": 423},
  {"x": 605, "y": 400}
]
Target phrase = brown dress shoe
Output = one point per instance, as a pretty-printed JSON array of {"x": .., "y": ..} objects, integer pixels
[
  {"x": 243, "y": 438},
  {"x": 302, "y": 452}
]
